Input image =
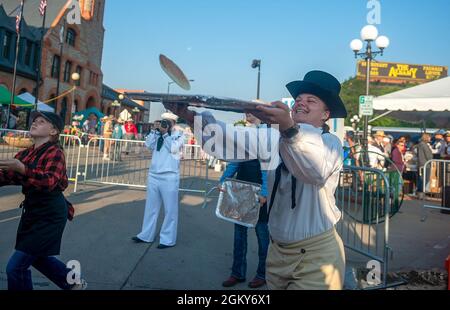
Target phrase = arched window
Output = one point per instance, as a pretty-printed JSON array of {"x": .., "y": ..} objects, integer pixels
[
  {"x": 56, "y": 64},
  {"x": 79, "y": 70},
  {"x": 67, "y": 71},
  {"x": 71, "y": 37},
  {"x": 7, "y": 45},
  {"x": 87, "y": 9}
]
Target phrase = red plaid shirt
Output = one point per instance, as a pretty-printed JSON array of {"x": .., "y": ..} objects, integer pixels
[{"x": 49, "y": 175}]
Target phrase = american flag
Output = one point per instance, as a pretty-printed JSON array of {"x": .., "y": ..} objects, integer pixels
[
  {"x": 18, "y": 20},
  {"x": 42, "y": 7}
]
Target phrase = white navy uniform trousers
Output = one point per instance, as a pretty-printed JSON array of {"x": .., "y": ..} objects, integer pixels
[{"x": 162, "y": 188}]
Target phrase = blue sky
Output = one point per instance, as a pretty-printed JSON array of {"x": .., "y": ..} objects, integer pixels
[{"x": 215, "y": 41}]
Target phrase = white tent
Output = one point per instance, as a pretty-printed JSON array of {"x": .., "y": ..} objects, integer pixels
[
  {"x": 125, "y": 115},
  {"x": 41, "y": 106},
  {"x": 430, "y": 101}
]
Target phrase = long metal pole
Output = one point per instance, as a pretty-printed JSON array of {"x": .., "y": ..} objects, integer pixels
[
  {"x": 38, "y": 68},
  {"x": 259, "y": 81},
  {"x": 60, "y": 65},
  {"x": 16, "y": 58},
  {"x": 366, "y": 117}
]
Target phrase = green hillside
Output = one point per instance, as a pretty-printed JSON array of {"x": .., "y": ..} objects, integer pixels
[{"x": 353, "y": 88}]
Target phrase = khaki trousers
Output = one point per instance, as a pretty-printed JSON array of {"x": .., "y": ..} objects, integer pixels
[{"x": 317, "y": 263}]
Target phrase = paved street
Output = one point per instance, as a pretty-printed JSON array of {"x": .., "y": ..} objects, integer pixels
[{"x": 108, "y": 216}]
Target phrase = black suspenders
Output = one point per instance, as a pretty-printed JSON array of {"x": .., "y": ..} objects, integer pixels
[{"x": 281, "y": 167}]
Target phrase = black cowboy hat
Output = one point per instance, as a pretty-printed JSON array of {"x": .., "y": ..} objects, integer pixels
[
  {"x": 323, "y": 85},
  {"x": 53, "y": 118}
]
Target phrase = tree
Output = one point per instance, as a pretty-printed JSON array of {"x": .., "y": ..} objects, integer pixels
[{"x": 353, "y": 88}]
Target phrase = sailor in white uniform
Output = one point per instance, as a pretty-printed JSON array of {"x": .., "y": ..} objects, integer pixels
[{"x": 162, "y": 184}]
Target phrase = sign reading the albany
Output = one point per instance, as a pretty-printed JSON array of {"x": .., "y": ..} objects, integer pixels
[{"x": 395, "y": 72}]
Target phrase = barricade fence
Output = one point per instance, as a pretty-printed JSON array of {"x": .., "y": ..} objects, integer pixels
[
  {"x": 436, "y": 183},
  {"x": 126, "y": 163},
  {"x": 112, "y": 161},
  {"x": 365, "y": 198},
  {"x": 13, "y": 141}
]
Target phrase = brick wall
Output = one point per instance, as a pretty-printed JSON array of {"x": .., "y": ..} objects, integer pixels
[{"x": 86, "y": 53}]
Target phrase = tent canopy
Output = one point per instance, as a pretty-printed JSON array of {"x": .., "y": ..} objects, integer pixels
[
  {"x": 89, "y": 111},
  {"x": 430, "y": 101},
  {"x": 31, "y": 99},
  {"x": 125, "y": 115},
  {"x": 5, "y": 98}
]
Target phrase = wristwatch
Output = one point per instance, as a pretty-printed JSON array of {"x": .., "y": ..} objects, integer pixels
[{"x": 290, "y": 132}]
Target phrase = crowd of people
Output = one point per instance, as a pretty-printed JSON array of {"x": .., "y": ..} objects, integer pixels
[{"x": 402, "y": 155}]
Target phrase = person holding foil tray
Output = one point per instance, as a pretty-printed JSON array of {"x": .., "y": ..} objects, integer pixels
[{"x": 305, "y": 160}]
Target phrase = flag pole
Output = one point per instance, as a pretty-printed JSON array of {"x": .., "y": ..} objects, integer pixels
[
  {"x": 38, "y": 69},
  {"x": 22, "y": 3},
  {"x": 61, "y": 49}
]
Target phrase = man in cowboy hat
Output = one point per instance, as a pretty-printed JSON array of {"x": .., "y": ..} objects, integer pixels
[
  {"x": 305, "y": 250},
  {"x": 378, "y": 140}
]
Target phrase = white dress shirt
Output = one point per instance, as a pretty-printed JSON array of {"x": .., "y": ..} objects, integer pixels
[{"x": 168, "y": 158}]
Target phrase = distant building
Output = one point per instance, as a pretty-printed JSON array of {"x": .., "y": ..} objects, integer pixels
[
  {"x": 110, "y": 95},
  {"x": 146, "y": 105},
  {"x": 82, "y": 51}
]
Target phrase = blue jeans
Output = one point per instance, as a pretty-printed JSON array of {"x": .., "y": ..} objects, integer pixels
[
  {"x": 19, "y": 273},
  {"x": 101, "y": 145},
  {"x": 239, "y": 268},
  {"x": 419, "y": 183}
]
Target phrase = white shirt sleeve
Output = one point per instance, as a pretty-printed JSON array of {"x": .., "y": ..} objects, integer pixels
[
  {"x": 151, "y": 140},
  {"x": 174, "y": 143},
  {"x": 311, "y": 156},
  {"x": 237, "y": 143}
]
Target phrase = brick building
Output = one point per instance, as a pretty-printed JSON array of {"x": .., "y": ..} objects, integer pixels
[{"x": 82, "y": 50}]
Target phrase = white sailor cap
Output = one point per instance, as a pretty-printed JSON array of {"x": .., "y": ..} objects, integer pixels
[{"x": 169, "y": 116}]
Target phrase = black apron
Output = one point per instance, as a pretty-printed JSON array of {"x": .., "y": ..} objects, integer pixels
[{"x": 44, "y": 217}]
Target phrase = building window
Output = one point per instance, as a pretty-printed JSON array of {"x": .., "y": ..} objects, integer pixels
[
  {"x": 67, "y": 70},
  {"x": 56, "y": 65},
  {"x": 79, "y": 70},
  {"x": 71, "y": 37},
  {"x": 6, "y": 46},
  {"x": 87, "y": 8},
  {"x": 37, "y": 52},
  {"x": 28, "y": 52},
  {"x": 93, "y": 79}
]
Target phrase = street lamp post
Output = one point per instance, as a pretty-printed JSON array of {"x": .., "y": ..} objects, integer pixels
[
  {"x": 257, "y": 64},
  {"x": 117, "y": 103},
  {"x": 170, "y": 83},
  {"x": 75, "y": 77},
  {"x": 369, "y": 34}
]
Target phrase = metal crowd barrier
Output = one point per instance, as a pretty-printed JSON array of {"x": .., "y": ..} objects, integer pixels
[
  {"x": 436, "y": 182},
  {"x": 13, "y": 141},
  {"x": 126, "y": 163},
  {"x": 72, "y": 149},
  {"x": 364, "y": 196}
]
